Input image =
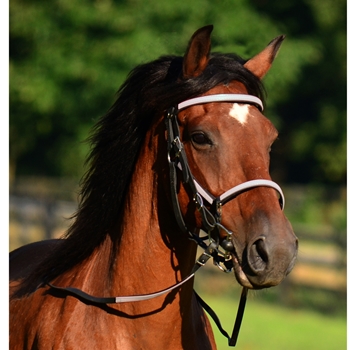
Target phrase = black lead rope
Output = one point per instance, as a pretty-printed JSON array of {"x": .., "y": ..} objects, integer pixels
[
  {"x": 239, "y": 317},
  {"x": 233, "y": 339},
  {"x": 82, "y": 295}
]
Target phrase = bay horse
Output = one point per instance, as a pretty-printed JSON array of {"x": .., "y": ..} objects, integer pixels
[{"x": 183, "y": 150}]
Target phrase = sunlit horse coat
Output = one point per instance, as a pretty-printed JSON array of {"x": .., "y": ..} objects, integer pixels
[{"x": 125, "y": 239}]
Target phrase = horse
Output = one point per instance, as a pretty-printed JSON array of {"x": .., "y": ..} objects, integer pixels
[{"x": 180, "y": 160}]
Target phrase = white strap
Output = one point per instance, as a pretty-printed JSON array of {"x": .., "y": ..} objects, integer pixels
[
  {"x": 251, "y": 184},
  {"x": 128, "y": 299},
  {"x": 240, "y": 188},
  {"x": 221, "y": 98},
  {"x": 203, "y": 192}
]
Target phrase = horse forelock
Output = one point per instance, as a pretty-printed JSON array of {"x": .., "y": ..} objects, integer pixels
[{"x": 116, "y": 140}]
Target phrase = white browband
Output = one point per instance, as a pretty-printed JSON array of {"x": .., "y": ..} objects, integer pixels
[{"x": 240, "y": 98}]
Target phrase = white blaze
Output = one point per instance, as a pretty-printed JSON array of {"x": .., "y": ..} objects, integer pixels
[{"x": 240, "y": 112}]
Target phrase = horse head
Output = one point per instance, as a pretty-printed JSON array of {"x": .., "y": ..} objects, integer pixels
[{"x": 227, "y": 143}]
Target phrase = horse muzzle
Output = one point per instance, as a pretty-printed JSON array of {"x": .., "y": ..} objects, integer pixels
[{"x": 265, "y": 261}]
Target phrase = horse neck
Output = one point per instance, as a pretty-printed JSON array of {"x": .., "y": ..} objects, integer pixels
[{"x": 153, "y": 253}]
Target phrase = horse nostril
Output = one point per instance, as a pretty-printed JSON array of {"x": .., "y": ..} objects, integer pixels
[
  {"x": 261, "y": 249},
  {"x": 258, "y": 255},
  {"x": 268, "y": 259}
]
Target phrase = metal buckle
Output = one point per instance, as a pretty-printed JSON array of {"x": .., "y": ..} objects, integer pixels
[
  {"x": 203, "y": 258},
  {"x": 177, "y": 147},
  {"x": 225, "y": 265}
]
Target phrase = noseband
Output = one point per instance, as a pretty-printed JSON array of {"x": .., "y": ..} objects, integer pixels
[{"x": 209, "y": 207}]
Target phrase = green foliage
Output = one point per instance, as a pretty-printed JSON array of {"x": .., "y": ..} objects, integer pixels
[
  {"x": 68, "y": 58},
  {"x": 317, "y": 206}
]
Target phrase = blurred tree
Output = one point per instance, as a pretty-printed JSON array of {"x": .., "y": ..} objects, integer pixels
[
  {"x": 313, "y": 119},
  {"x": 68, "y": 57}
]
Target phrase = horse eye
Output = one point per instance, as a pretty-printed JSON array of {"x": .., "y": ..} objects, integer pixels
[{"x": 200, "y": 138}]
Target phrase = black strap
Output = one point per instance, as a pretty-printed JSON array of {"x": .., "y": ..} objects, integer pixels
[
  {"x": 177, "y": 156},
  {"x": 212, "y": 314},
  {"x": 233, "y": 339},
  {"x": 239, "y": 317},
  {"x": 85, "y": 296}
]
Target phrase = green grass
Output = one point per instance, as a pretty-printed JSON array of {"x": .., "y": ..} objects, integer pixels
[{"x": 270, "y": 327}]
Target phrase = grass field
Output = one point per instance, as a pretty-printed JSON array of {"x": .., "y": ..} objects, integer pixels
[{"x": 267, "y": 326}]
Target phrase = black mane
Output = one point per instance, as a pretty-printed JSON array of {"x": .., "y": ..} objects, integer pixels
[{"x": 149, "y": 90}]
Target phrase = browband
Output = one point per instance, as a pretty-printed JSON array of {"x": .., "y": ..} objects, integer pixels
[{"x": 222, "y": 98}]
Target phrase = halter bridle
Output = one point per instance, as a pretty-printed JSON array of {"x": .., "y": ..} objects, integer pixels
[
  {"x": 209, "y": 207},
  {"x": 177, "y": 159}
]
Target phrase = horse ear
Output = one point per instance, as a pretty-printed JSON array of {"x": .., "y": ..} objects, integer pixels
[
  {"x": 261, "y": 63},
  {"x": 197, "y": 55}
]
